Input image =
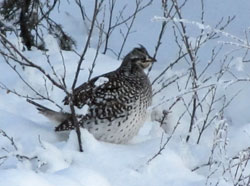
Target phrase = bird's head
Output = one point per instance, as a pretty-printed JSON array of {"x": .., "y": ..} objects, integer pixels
[{"x": 140, "y": 57}]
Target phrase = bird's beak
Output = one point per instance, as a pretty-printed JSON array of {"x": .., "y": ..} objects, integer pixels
[{"x": 150, "y": 59}]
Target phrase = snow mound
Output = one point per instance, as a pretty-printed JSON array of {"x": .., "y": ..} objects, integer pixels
[{"x": 54, "y": 161}]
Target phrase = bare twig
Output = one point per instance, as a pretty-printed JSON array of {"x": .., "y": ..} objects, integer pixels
[
  {"x": 95, "y": 12},
  {"x": 138, "y": 8}
]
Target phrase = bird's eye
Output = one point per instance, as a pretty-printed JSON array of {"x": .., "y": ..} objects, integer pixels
[{"x": 135, "y": 59}]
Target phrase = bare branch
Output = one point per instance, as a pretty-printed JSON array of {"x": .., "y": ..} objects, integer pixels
[
  {"x": 96, "y": 11},
  {"x": 27, "y": 62}
]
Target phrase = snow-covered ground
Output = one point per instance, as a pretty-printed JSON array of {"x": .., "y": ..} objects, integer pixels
[{"x": 33, "y": 154}]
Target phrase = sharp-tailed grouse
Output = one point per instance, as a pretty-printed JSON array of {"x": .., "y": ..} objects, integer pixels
[{"x": 116, "y": 102}]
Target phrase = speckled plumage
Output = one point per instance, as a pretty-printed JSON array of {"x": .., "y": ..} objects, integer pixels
[{"x": 117, "y": 101}]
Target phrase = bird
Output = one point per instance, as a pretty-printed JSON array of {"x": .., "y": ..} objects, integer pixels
[{"x": 115, "y": 103}]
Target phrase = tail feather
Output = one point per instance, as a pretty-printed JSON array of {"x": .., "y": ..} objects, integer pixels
[{"x": 58, "y": 117}]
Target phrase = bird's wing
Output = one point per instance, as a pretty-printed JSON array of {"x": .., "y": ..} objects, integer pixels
[{"x": 87, "y": 90}]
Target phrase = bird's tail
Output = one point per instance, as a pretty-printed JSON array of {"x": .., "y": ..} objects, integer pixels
[{"x": 58, "y": 117}]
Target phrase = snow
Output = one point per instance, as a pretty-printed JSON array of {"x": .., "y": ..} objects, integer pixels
[
  {"x": 83, "y": 110},
  {"x": 51, "y": 44},
  {"x": 45, "y": 158},
  {"x": 238, "y": 63},
  {"x": 101, "y": 80},
  {"x": 100, "y": 164}
]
